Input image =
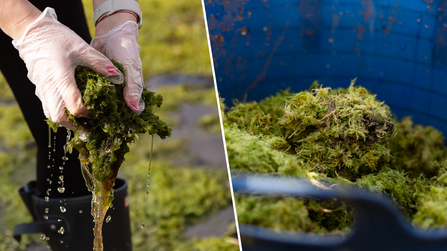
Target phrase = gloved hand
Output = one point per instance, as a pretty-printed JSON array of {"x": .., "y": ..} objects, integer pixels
[
  {"x": 120, "y": 44},
  {"x": 51, "y": 52}
]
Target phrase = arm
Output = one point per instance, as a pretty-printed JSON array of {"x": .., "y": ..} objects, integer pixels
[
  {"x": 51, "y": 52},
  {"x": 117, "y": 37},
  {"x": 15, "y": 16},
  {"x": 112, "y": 21}
]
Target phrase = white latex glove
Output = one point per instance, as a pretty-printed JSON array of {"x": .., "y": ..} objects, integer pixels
[
  {"x": 121, "y": 45},
  {"x": 51, "y": 52}
]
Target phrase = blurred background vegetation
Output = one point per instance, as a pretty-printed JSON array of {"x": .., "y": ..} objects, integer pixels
[{"x": 173, "y": 41}]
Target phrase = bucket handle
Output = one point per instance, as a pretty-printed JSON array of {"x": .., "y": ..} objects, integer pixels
[{"x": 379, "y": 226}]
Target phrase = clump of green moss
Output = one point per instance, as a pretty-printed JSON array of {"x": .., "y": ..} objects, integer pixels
[
  {"x": 102, "y": 139},
  {"x": 399, "y": 187},
  {"x": 247, "y": 152},
  {"x": 258, "y": 118},
  {"x": 337, "y": 136},
  {"x": 432, "y": 205},
  {"x": 340, "y": 134},
  {"x": 285, "y": 213},
  {"x": 111, "y": 126},
  {"x": 414, "y": 148},
  {"x": 289, "y": 213}
]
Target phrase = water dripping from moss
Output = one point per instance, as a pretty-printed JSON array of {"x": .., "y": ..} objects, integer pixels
[
  {"x": 61, "y": 230},
  {"x": 150, "y": 163},
  {"x": 49, "y": 137}
]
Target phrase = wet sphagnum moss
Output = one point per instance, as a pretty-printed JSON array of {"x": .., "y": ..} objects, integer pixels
[
  {"x": 337, "y": 136},
  {"x": 107, "y": 133}
]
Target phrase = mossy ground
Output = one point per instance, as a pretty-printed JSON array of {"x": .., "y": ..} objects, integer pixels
[
  {"x": 337, "y": 136},
  {"x": 173, "y": 40}
]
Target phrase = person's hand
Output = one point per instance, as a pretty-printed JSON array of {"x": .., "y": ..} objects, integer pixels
[
  {"x": 120, "y": 44},
  {"x": 51, "y": 52}
]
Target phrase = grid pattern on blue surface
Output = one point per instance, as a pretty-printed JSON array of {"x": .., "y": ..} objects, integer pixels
[{"x": 396, "y": 49}]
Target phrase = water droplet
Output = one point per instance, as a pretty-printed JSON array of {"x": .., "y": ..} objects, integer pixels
[
  {"x": 42, "y": 236},
  {"x": 61, "y": 168},
  {"x": 48, "y": 166},
  {"x": 61, "y": 189},
  {"x": 61, "y": 230},
  {"x": 244, "y": 31},
  {"x": 147, "y": 193},
  {"x": 47, "y": 210},
  {"x": 47, "y": 238},
  {"x": 62, "y": 241},
  {"x": 108, "y": 219},
  {"x": 47, "y": 199},
  {"x": 61, "y": 177},
  {"x": 147, "y": 185},
  {"x": 80, "y": 211},
  {"x": 45, "y": 217},
  {"x": 142, "y": 225},
  {"x": 65, "y": 158},
  {"x": 63, "y": 209}
]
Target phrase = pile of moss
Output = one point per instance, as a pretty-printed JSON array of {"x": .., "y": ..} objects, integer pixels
[{"x": 335, "y": 136}]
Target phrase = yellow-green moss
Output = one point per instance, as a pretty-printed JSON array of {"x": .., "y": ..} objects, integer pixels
[{"x": 338, "y": 136}]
